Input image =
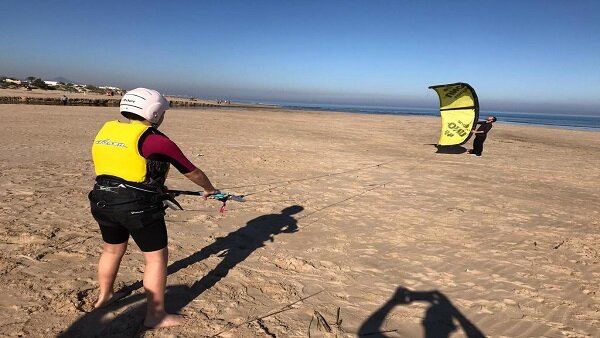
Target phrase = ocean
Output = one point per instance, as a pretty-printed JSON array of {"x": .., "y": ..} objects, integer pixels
[{"x": 567, "y": 121}]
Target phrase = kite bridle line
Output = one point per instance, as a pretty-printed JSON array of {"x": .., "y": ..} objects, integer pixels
[
  {"x": 283, "y": 183},
  {"x": 224, "y": 197}
]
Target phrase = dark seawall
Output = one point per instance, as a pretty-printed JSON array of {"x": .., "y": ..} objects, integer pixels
[{"x": 102, "y": 102}]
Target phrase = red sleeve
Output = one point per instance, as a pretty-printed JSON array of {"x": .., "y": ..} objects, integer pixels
[{"x": 161, "y": 148}]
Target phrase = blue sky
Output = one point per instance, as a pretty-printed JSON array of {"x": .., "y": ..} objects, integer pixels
[{"x": 535, "y": 56}]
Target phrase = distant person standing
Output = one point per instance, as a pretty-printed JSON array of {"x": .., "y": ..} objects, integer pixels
[
  {"x": 64, "y": 99},
  {"x": 481, "y": 131}
]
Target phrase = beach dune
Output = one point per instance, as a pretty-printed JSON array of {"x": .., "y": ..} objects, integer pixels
[{"x": 354, "y": 225}]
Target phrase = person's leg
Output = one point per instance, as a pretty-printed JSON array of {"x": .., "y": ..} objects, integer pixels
[
  {"x": 480, "y": 149},
  {"x": 477, "y": 146},
  {"x": 152, "y": 240},
  {"x": 155, "y": 280},
  {"x": 108, "y": 267}
]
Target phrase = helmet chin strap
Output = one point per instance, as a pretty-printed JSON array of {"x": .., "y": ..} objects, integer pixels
[{"x": 159, "y": 122}]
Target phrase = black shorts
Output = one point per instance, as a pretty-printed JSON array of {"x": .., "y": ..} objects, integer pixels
[
  {"x": 151, "y": 238},
  {"x": 122, "y": 210}
]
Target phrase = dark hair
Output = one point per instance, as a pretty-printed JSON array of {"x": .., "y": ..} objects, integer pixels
[
  {"x": 494, "y": 118},
  {"x": 132, "y": 116}
]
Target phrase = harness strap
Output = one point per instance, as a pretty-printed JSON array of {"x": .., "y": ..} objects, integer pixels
[{"x": 103, "y": 204}]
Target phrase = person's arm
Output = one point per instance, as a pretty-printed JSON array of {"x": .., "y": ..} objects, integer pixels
[
  {"x": 474, "y": 130},
  {"x": 161, "y": 148},
  {"x": 199, "y": 177},
  {"x": 484, "y": 130}
]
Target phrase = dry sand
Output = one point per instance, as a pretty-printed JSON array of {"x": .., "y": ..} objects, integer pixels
[{"x": 350, "y": 212}]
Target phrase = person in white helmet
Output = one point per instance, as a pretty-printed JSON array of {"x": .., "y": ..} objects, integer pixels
[{"x": 131, "y": 161}]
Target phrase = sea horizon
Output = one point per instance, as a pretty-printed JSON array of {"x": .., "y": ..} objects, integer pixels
[{"x": 550, "y": 120}]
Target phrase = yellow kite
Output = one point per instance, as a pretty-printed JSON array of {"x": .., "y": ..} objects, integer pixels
[{"x": 459, "y": 109}]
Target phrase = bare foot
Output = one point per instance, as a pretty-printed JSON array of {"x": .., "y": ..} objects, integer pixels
[
  {"x": 167, "y": 320},
  {"x": 108, "y": 299}
]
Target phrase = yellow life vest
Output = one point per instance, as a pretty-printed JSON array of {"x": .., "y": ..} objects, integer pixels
[{"x": 115, "y": 151}]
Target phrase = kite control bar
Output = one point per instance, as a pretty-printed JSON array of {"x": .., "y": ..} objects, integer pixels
[{"x": 220, "y": 196}]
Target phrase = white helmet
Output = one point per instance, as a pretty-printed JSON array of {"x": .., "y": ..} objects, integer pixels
[{"x": 147, "y": 103}]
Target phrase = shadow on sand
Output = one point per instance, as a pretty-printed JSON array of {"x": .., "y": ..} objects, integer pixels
[
  {"x": 439, "y": 321},
  {"x": 458, "y": 149},
  {"x": 234, "y": 248}
]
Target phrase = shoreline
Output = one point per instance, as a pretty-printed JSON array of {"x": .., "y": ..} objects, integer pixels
[
  {"x": 108, "y": 102},
  {"x": 45, "y": 97},
  {"x": 53, "y": 98},
  {"x": 186, "y": 104}
]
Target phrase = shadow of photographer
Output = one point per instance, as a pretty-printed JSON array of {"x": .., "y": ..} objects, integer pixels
[
  {"x": 439, "y": 321},
  {"x": 235, "y": 247}
]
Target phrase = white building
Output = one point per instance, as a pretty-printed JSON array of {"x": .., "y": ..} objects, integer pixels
[{"x": 13, "y": 81}]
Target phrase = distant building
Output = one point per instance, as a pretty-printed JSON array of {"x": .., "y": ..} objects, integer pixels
[
  {"x": 110, "y": 88},
  {"x": 13, "y": 81},
  {"x": 51, "y": 83}
]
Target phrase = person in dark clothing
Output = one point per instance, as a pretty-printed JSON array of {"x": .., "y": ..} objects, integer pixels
[{"x": 480, "y": 134}]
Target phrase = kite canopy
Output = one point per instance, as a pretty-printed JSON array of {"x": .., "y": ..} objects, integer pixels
[{"x": 459, "y": 109}]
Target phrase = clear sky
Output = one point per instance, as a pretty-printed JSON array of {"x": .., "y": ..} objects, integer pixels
[{"x": 521, "y": 55}]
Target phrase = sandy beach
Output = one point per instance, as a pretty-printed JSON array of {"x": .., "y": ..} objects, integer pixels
[{"x": 353, "y": 220}]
